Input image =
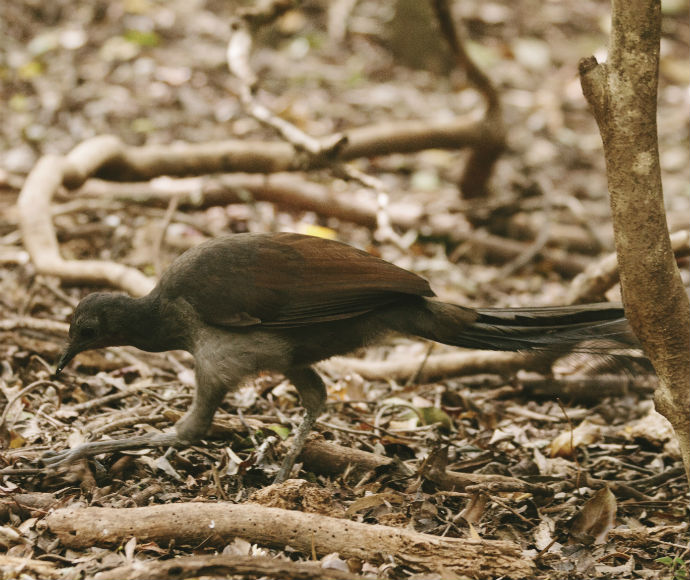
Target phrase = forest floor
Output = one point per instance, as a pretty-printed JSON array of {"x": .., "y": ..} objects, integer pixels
[{"x": 584, "y": 440}]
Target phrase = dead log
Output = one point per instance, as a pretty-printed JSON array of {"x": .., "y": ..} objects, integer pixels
[{"x": 217, "y": 523}]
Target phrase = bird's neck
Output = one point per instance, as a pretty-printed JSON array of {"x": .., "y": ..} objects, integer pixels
[{"x": 146, "y": 325}]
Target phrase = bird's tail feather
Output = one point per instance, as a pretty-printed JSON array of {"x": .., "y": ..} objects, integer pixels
[
  {"x": 593, "y": 328},
  {"x": 597, "y": 328}
]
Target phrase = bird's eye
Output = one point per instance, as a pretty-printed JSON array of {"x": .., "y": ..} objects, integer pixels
[{"x": 88, "y": 332}]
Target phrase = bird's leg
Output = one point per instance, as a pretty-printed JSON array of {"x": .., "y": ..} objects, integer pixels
[
  {"x": 312, "y": 391},
  {"x": 189, "y": 429},
  {"x": 208, "y": 396}
]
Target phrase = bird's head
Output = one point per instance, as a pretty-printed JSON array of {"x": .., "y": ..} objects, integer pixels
[{"x": 97, "y": 322}]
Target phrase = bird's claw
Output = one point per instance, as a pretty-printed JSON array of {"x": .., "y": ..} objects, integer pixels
[{"x": 55, "y": 458}]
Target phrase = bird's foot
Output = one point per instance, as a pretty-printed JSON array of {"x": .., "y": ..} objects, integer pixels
[
  {"x": 285, "y": 470},
  {"x": 54, "y": 459},
  {"x": 295, "y": 450}
]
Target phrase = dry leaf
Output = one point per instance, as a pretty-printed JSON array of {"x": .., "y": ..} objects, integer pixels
[
  {"x": 474, "y": 510},
  {"x": 474, "y": 535},
  {"x": 653, "y": 427},
  {"x": 592, "y": 523},
  {"x": 130, "y": 546},
  {"x": 564, "y": 445},
  {"x": 373, "y": 500}
]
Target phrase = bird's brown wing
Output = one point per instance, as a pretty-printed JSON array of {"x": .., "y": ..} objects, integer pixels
[{"x": 285, "y": 280}]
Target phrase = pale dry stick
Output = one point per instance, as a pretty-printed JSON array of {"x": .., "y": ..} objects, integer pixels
[
  {"x": 534, "y": 416},
  {"x": 577, "y": 210},
  {"x": 339, "y": 12},
  {"x": 291, "y": 190},
  {"x": 262, "y": 449},
  {"x": 238, "y": 53},
  {"x": 384, "y": 230},
  {"x": 84, "y": 204},
  {"x": 30, "y": 323},
  {"x": 572, "y": 237},
  {"x": 23, "y": 392},
  {"x": 502, "y": 249},
  {"x": 529, "y": 254},
  {"x": 448, "y": 364},
  {"x": 213, "y": 523},
  {"x": 114, "y": 425},
  {"x": 333, "y": 427},
  {"x": 61, "y": 426},
  {"x": 107, "y": 399},
  {"x": 278, "y": 188},
  {"x": 10, "y": 255},
  {"x": 511, "y": 509},
  {"x": 592, "y": 284},
  {"x": 223, "y": 566},
  {"x": 483, "y": 157},
  {"x": 188, "y": 189},
  {"x": 36, "y": 225},
  {"x": 414, "y": 379},
  {"x": 18, "y": 566},
  {"x": 127, "y": 354},
  {"x": 405, "y": 405},
  {"x": 66, "y": 298},
  {"x": 158, "y": 243},
  {"x": 539, "y": 243}
]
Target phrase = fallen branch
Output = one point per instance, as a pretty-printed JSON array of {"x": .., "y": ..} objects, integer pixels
[
  {"x": 293, "y": 191},
  {"x": 285, "y": 189},
  {"x": 592, "y": 284},
  {"x": 16, "y": 567},
  {"x": 437, "y": 366},
  {"x": 185, "y": 159},
  {"x": 26, "y": 505},
  {"x": 215, "y": 523},
  {"x": 482, "y": 158},
  {"x": 239, "y": 48},
  {"x": 106, "y": 156},
  {"x": 586, "y": 388},
  {"x": 31, "y": 323},
  {"x": 323, "y": 457},
  {"x": 223, "y": 566},
  {"x": 37, "y": 228}
]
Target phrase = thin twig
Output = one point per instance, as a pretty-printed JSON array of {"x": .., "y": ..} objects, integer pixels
[
  {"x": 158, "y": 244},
  {"x": 572, "y": 443},
  {"x": 238, "y": 53},
  {"x": 474, "y": 74},
  {"x": 23, "y": 392}
]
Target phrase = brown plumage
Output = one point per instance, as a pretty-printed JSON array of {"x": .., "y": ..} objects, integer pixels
[{"x": 251, "y": 302}]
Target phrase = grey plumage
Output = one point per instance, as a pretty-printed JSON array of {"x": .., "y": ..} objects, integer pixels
[{"x": 281, "y": 302}]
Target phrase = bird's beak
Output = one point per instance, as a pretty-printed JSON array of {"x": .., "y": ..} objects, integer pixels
[{"x": 67, "y": 355}]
